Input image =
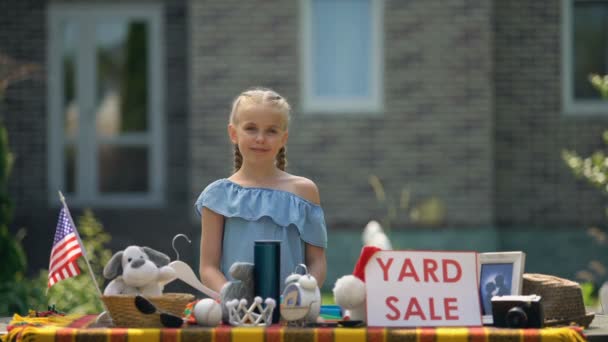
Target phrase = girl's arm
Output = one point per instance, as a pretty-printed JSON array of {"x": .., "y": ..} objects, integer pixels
[
  {"x": 212, "y": 225},
  {"x": 314, "y": 256},
  {"x": 316, "y": 263}
]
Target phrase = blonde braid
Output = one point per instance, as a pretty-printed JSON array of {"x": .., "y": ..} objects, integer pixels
[
  {"x": 238, "y": 158},
  {"x": 281, "y": 158}
]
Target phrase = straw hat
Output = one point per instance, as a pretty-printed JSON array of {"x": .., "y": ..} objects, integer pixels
[{"x": 562, "y": 299}]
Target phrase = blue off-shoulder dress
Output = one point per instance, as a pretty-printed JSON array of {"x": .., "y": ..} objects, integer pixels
[{"x": 253, "y": 213}]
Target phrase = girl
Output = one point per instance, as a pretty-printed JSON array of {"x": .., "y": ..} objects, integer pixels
[{"x": 260, "y": 201}]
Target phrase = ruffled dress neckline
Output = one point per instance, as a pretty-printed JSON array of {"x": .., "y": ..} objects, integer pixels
[{"x": 269, "y": 189}]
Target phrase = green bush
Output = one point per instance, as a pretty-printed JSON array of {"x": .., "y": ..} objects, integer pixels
[
  {"x": 594, "y": 170},
  {"x": 14, "y": 294},
  {"x": 19, "y": 294}
]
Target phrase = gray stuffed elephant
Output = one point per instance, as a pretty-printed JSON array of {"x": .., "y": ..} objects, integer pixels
[{"x": 241, "y": 287}]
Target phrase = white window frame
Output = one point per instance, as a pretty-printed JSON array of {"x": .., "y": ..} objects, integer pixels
[
  {"x": 571, "y": 106},
  {"x": 86, "y": 182},
  {"x": 371, "y": 105}
]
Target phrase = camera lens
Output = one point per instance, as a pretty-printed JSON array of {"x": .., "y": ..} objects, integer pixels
[{"x": 517, "y": 318}]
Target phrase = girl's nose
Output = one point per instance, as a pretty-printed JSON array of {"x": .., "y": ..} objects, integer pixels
[{"x": 259, "y": 137}]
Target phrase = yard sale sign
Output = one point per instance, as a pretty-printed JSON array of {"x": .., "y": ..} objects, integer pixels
[{"x": 422, "y": 288}]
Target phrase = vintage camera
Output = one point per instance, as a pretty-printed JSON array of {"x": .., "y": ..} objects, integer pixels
[{"x": 517, "y": 311}]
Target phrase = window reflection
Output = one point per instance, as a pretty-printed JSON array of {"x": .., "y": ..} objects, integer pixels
[
  {"x": 122, "y": 66},
  {"x": 590, "y": 46}
]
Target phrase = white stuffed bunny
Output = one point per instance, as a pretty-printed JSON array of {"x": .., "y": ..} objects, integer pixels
[{"x": 138, "y": 270}]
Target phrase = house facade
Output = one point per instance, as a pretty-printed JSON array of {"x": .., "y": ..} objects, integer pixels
[{"x": 466, "y": 102}]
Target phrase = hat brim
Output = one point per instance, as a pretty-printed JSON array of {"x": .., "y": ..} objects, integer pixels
[{"x": 582, "y": 321}]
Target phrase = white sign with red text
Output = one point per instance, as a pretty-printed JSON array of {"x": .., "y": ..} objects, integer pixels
[{"x": 422, "y": 288}]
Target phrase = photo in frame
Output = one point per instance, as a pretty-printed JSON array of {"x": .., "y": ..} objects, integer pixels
[{"x": 500, "y": 273}]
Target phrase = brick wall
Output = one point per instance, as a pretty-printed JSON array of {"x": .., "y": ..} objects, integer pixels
[
  {"x": 23, "y": 37},
  {"x": 534, "y": 188},
  {"x": 435, "y": 136},
  {"x": 472, "y": 116}
]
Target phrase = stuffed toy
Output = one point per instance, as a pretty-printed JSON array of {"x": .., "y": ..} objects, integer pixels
[
  {"x": 138, "y": 270},
  {"x": 349, "y": 290},
  {"x": 242, "y": 287},
  {"x": 373, "y": 235}
]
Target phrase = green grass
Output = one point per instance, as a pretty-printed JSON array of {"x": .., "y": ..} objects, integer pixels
[{"x": 327, "y": 298}]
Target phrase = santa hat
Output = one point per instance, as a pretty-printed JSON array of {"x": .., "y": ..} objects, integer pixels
[{"x": 366, "y": 253}]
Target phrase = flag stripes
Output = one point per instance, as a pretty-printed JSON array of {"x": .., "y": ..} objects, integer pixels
[
  {"x": 66, "y": 250},
  {"x": 70, "y": 251},
  {"x": 70, "y": 270}
]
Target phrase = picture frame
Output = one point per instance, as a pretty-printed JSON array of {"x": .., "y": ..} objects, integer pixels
[{"x": 500, "y": 273}]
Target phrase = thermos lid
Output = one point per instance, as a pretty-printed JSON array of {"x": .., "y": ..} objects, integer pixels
[{"x": 267, "y": 242}]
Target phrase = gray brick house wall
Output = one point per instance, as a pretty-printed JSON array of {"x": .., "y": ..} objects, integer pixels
[
  {"x": 471, "y": 115},
  {"x": 534, "y": 188},
  {"x": 435, "y": 135}
]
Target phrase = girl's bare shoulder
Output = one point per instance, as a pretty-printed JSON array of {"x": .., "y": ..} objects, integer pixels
[{"x": 304, "y": 188}]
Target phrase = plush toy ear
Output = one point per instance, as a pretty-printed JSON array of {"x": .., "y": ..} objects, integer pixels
[
  {"x": 114, "y": 266},
  {"x": 160, "y": 259},
  {"x": 242, "y": 271}
]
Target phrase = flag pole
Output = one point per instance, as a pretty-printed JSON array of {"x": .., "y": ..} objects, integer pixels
[{"x": 84, "y": 250}]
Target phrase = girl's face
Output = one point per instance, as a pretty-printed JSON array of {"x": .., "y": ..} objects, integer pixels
[{"x": 259, "y": 131}]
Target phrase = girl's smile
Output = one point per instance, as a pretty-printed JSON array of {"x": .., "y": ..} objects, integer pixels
[{"x": 260, "y": 149}]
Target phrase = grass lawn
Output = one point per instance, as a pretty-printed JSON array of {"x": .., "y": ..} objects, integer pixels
[{"x": 327, "y": 298}]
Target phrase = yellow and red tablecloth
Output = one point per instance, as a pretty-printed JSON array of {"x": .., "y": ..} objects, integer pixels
[{"x": 78, "y": 328}]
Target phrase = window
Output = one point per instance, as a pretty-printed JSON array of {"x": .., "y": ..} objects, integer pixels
[
  {"x": 585, "y": 52},
  {"x": 342, "y": 55},
  {"x": 105, "y": 104}
]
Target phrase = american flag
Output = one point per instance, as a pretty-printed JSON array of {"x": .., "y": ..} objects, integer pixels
[{"x": 66, "y": 249}]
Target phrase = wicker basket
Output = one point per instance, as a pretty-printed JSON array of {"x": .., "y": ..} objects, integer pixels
[
  {"x": 124, "y": 313},
  {"x": 562, "y": 299}
]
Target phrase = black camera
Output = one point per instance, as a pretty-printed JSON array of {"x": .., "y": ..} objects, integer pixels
[{"x": 517, "y": 311}]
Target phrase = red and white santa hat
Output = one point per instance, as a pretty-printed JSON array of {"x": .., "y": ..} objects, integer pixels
[{"x": 366, "y": 254}]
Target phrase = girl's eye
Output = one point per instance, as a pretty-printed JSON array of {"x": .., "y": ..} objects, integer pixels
[
  {"x": 272, "y": 131},
  {"x": 250, "y": 128}
]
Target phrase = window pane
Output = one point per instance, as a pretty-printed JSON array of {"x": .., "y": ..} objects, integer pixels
[
  {"x": 123, "y": 169},
  {"x": 70, "y": 168},
  {"x": 342, "y": 47},
  {"x": 69, "y": 37},
  {"x": 122, "y": 79},
  {"x": 590, "y": 44}
]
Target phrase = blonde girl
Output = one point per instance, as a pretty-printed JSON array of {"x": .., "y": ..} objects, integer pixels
[{"x": 260, "y": 201}]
